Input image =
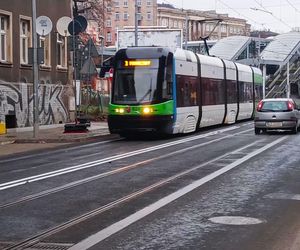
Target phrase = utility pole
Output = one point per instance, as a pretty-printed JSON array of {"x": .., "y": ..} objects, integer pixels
[
  {"x": 186, "y": 31},
  {"x": 288, "y": 86},
  {"x": 136, "y": 24},
  {"x": 35, "y": 74}
]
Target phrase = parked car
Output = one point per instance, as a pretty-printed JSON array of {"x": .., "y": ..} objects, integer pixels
[{"x": 277, "y": 114}]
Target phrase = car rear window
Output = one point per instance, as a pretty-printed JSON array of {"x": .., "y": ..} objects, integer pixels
[{"x": 275, "y": 106}]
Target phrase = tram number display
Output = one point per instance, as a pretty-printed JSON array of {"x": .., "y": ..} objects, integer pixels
[{"x": 137, "y": 63}]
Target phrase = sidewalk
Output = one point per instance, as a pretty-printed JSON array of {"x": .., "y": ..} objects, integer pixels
[{"x": 22, "y": 139}]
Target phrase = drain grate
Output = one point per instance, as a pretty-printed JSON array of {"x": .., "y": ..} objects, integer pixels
[
  {"x": 49, "y": 246},
  {"x": 39, "y": 246}
]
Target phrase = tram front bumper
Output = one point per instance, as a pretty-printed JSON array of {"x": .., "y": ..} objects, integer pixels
[{"x": 128, "y": 123}]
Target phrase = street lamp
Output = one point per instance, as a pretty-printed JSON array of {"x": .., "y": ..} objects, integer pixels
[{"x": 264, "y": 69}]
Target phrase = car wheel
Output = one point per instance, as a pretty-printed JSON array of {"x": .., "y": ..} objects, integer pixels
[
  {"x": 257, "y": 131},
  {"x": 295, "y": 130}
]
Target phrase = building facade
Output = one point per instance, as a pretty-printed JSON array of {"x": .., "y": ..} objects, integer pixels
[
  {"x": 199, "y": 24},
  {"x": 55, "y": 92},
  {"x": 121, "y": 13},
  {"x": 195, "y": 23}
]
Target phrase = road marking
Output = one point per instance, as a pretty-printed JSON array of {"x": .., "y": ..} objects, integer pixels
[
  {"x": 120, "y": 225},
  {"x": 57, "y": 150},
  {"x": 235, "y": 220},
  {"x": 47, "y": 175},
  {"x": 283, "y": 196}
]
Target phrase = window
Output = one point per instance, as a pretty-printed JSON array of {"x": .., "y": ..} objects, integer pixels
[
  {"x": 164, "y": 22},
  {"x": 125, "y": 3},
  {"x": 139, "y": 16},
  {"x": 45, "y": 43},
  {"x": 149, "y": 16},
  {"x": 125, "y": 16},
  {"x": 108, "y": 8},
  {"x": 25, "y": 39},
  {"x": 108, "y": 37},
  {"x": 139, "y": 2},
  {"x": 207, "y": 27},
  {"x": 117, "y": 3},
  {"x": 149, "y": 2},
  {"x": 212, "y": 91},
  {"x": 117, "y": 16},
  {"x": 223, "y": 28},
  {"x": 245, "y": 92},
  {"x": 180, "y": 24},
  {"x": 186, "y": 91},
  {"x": 175, "y": 23},
  {"x": 61, "y": 51},
  {"x": 5, "y": 37},
  {"x": 108, "y": 23}
]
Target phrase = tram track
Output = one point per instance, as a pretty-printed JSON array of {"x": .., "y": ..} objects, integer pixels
[
  {"x": 134, "y": 195},
  {"x": 102, "y": 175},
  {"x": 34, "y": 178}
]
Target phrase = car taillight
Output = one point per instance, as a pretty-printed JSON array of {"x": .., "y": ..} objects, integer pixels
[
  {"x": 259, "y": 106},
  {"x": 290, "y": 106}
]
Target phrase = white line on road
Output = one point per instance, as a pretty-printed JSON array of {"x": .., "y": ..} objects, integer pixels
[
  {"x": 118, "y": 226},
  {"x": 283, "y": 196}
]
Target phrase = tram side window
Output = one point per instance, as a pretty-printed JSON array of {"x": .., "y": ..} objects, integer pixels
[
  {"x": 258, "y": 92},
  {"x": 186, "y": 91},
  {"x": 231, "y": 91},
  {"x": 213, "y": 91},
  {"x": 245, "y": 92},
  {"x": 167, "y": 91}
]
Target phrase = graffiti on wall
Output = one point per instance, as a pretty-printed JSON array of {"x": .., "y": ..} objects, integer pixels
[{"x": 17, "y": 99}]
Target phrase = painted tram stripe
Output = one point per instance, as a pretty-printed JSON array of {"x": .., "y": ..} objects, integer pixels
[{"x": 120, "y": 225}]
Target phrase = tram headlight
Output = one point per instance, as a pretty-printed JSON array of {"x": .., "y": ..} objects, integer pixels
[
  {"x": 147, "y": 110},
  {"x": 120, "y": 110}
]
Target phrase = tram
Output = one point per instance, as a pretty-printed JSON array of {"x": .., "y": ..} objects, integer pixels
[{"x": 155, "y": 89}]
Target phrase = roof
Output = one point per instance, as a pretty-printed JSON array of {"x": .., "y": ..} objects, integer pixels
[
  {"x": 281, "y": 48},
  {"x": 229, "y": 47}
]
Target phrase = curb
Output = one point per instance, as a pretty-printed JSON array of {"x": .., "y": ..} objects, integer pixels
[
  {"x": 7, "y": 142},
  {"x": 65, "y": 140}
]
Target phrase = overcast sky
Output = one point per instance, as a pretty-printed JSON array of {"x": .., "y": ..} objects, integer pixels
[{"x": 277, "y": 15}]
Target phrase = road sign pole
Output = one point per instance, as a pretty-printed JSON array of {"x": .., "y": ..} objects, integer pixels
[
  {"x": 136, "y": 24},
  {"x": 35, "y": 74}
]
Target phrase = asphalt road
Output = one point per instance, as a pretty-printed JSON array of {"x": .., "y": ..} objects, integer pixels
[{"x": 221, "y": 188}]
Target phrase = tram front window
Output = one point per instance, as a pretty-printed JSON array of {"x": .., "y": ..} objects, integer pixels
[{"x": 135, "y": 85}]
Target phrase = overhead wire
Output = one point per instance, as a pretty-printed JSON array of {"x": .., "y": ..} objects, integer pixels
[
  {"x": 247, "y": 18},
  {"x": 266, "y": 10},
  {"x": 293, "y": 6}
]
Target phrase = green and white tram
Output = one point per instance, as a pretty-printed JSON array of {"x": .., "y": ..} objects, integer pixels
[{"x": 155, "y": 89}]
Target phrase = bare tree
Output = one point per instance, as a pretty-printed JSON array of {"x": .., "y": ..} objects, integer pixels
[{"x": 93, "y": 10}]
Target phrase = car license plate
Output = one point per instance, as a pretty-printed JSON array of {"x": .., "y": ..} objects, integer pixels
[{"x": 274, "y": 124}]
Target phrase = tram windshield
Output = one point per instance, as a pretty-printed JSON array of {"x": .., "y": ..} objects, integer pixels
[{"x": 137, "y": 82}]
